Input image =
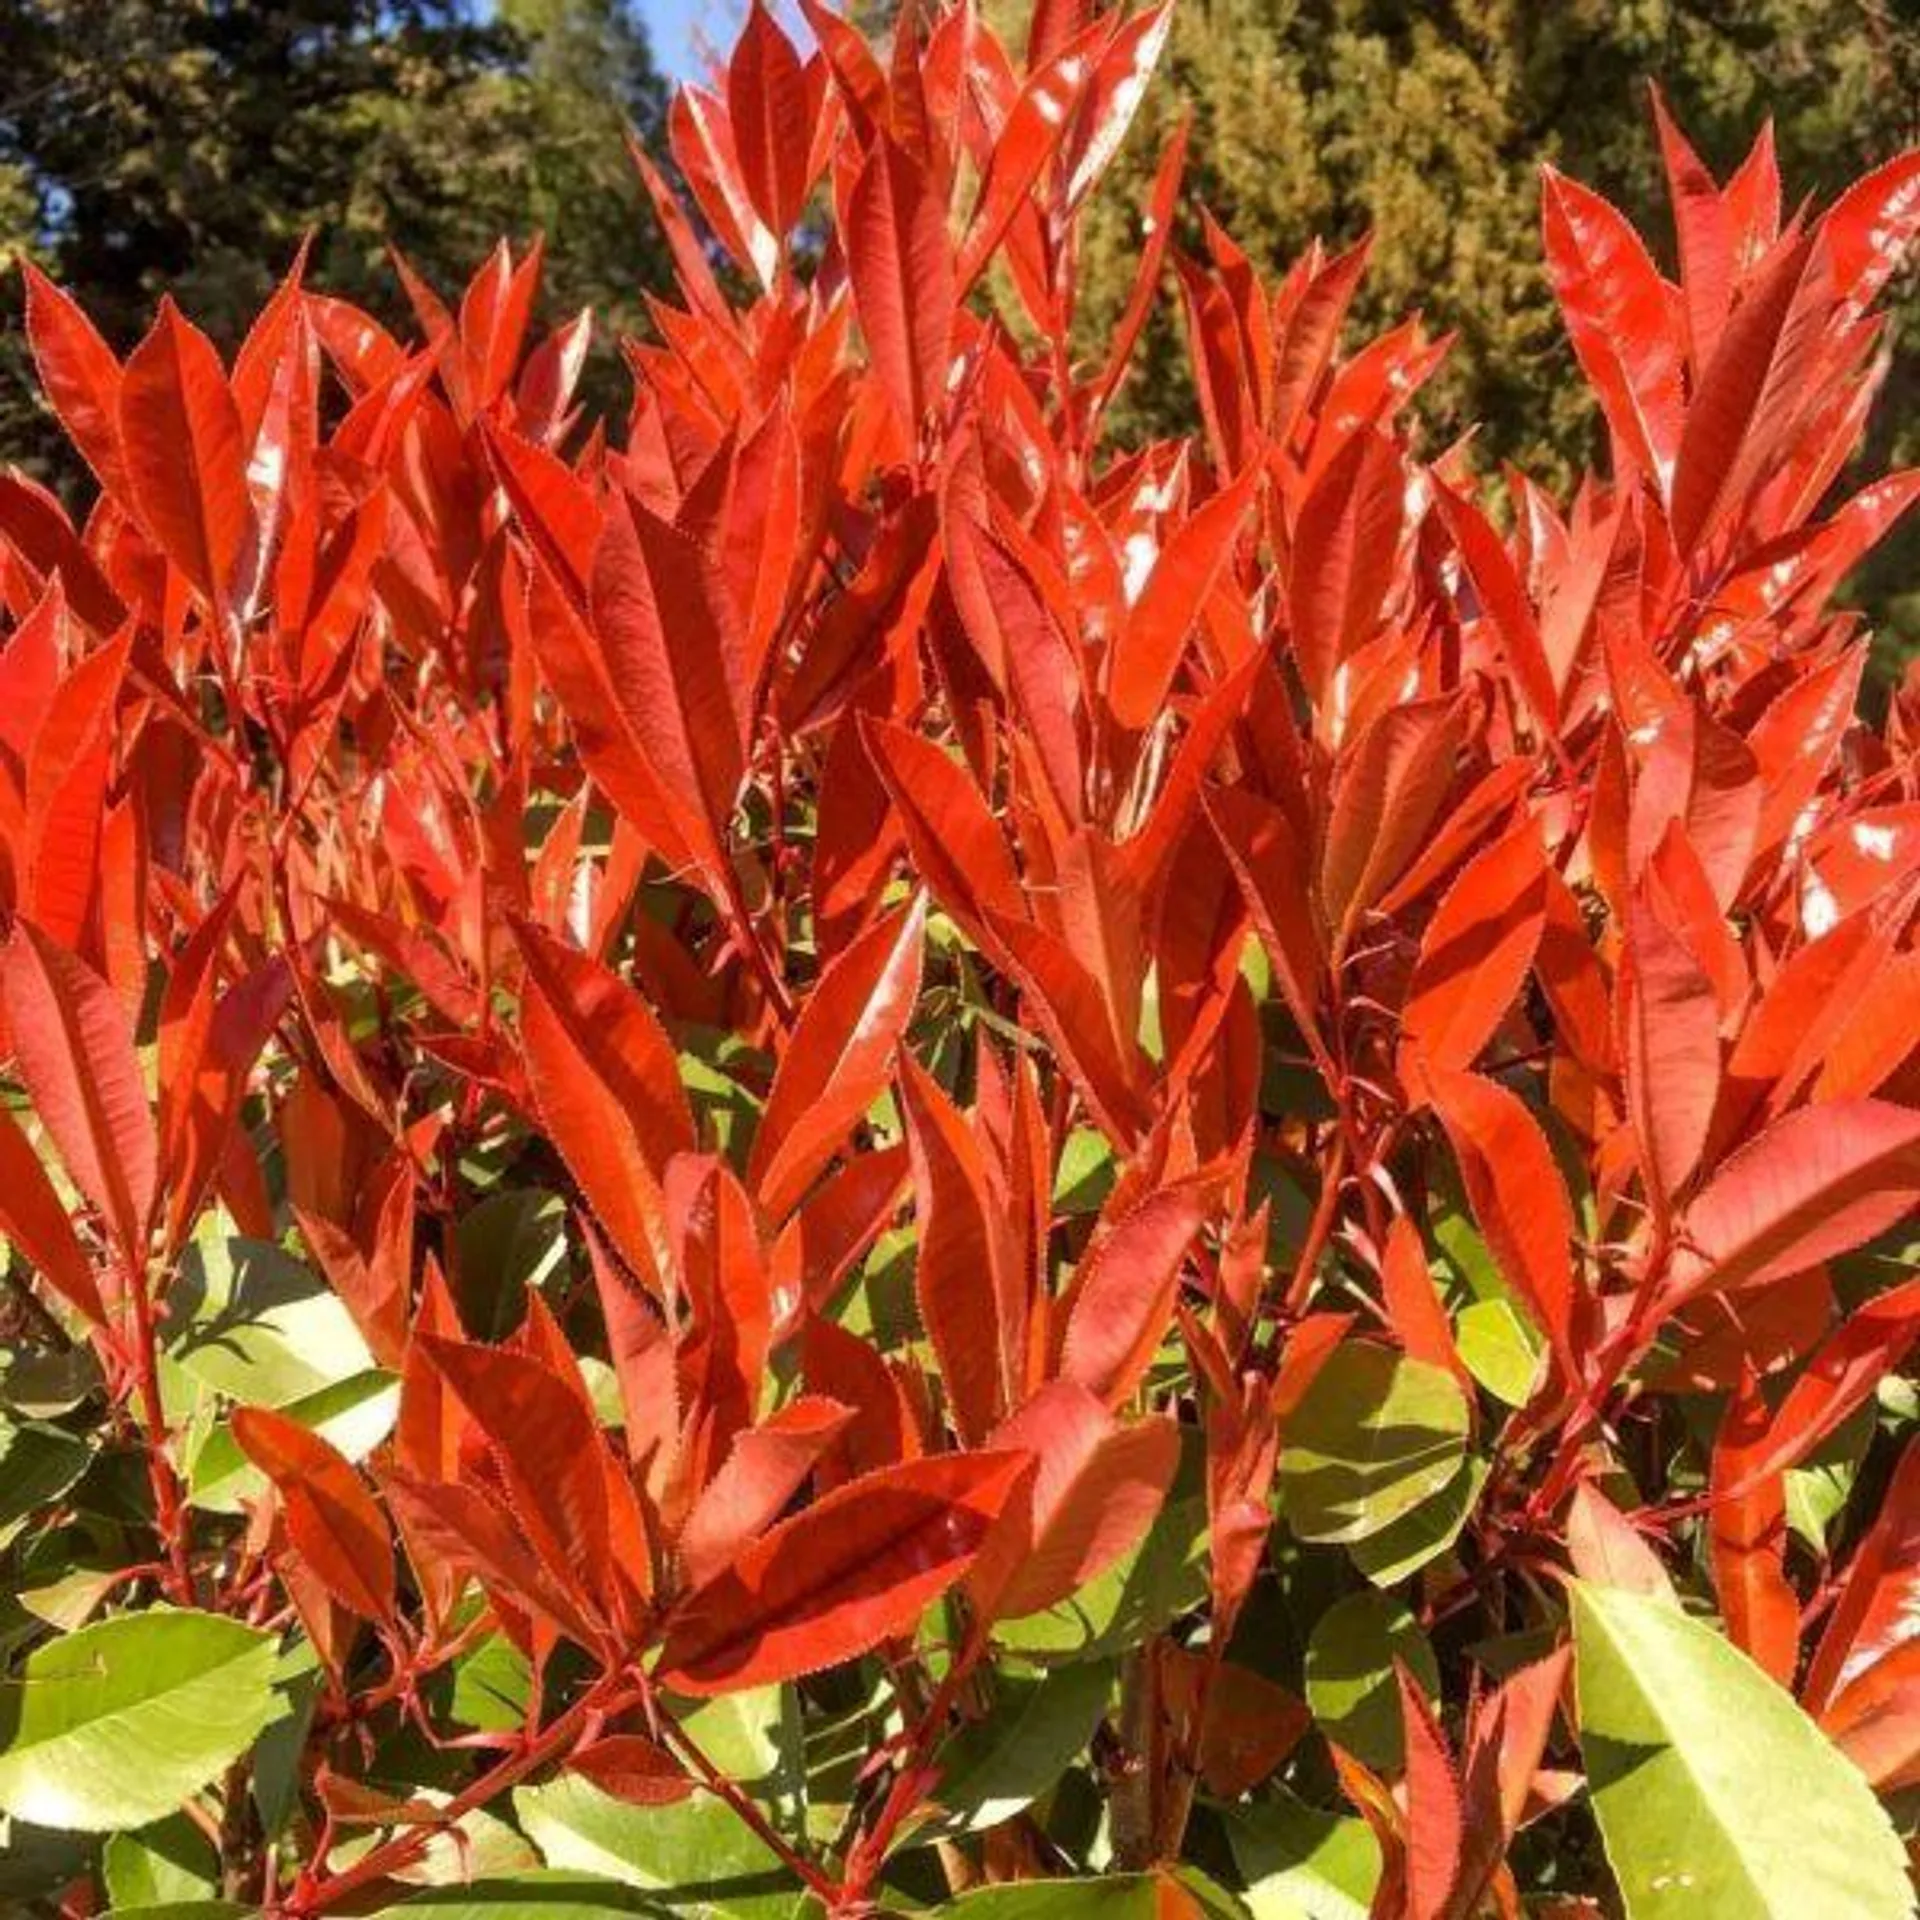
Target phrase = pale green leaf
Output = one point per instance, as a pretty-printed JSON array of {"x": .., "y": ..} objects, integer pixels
[
  {"x": 1375, "y": 1436},
  {"x": 1350, "y": 1684},
  {"x": 1297, "y": 1860},
  {"x": 1397, "y": 1552},
  {"x": 168, "y": 1862},
  {"x": 1716, "y": 1794},
  {"x": 1000, "y": 1765},
  {"x": 697, "y": 1855},
  {"x": 116, "y": 1725}
]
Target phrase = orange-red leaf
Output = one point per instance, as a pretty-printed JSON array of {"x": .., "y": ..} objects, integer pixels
[
  {"x": 831, "y": 1583},
  {"x": 185, "y": 456},
  {"x": 75, "y": 1045},
  {"x": 837, "y": 1058},
  {"x": 333, "y": 1521}
]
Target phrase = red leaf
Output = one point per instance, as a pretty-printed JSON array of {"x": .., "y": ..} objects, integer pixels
[
  {"x": 1816, "y": 1184},
  {"x": 76, "y": 1053},
  {"x": 1387, "y": 791},
  {"x": 1435, "y": 1818},
  {"x": 765, "y": 1468},
  {"x": 1748, "y": 1541},
  {"x": 855, "y": 1568},
  {"x": 674, "y": 661},
  {"x": 1020, "y": 643},
  {"x": 547, "y": 1451},
  {"x": 1878, "y": 1608},
  {"x": 1751, "y": 393},
  {"x": 1518, "y": 1198},
  {"x": 1619, "y": 318},
  {"x": 1670, "y": 1052},
  {"x": 1121, "y": 1303},
  {"x": 1096, "y": 1488},
  {"x": 631, "y": 1768},
  {"x": 1477, "y": 950},
  {"x": 1343, "y": 555},
  {"x": 1413, "y": 1305},
  {"x": 901, "y": 264},
  {"x": 607, "y": 1080},
  {"x": 953, "y": 841},
  {"x": 772, "y": 109},
  {"x": 208, "y": 1047},
  {"x": 1840, "y": 1378},
  {"x": 837, "y": 1058},
  {"x": 186, "y": 459},
  {"x": 1868, "y": 230},
  {"x": 964, "y": 1280},
  {"x": 80, "y": 375},
  {"x": 332, "y": 1520},
  {"x": 1146, "y": 657},
  {"x": 38, "y": 1224},
  {"x": 1266, "y": 859},
  {"x": 68, "y": 764}
]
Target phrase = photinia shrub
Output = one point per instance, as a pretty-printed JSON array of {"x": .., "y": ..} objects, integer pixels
[{"x": 850, "y": 1153}]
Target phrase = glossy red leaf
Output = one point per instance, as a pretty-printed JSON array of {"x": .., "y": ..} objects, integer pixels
[
  {"x": 1147, "y": 655},
  {"x": 1518, "y": 1198},
  {"x": 1435, "y": 1832},
  {"x": 185, "y": 457},
  {"x": 838, "y": 1057},
  {"x": 900, "y": 261},
  {"x": 332, "y": 1519},
  {"x": 1477, "y": 950},
  {"x": 1747, "y": 1541},
  {"x": 674, "y": 661},
  {"x": 1343, "y": 555},
  {"x": 771, "y": 108},
  {"x": 963, "y": 1276},
  {"x": 1875, "y": 1612},
  {"x": 1121, "y": 1304},
  {"x": 1619, "y": 318},
  {"x": 844, "y": 1574},
  {"x": 767, "y": 1465},
  {"x": 607, "y": 1080},
  {"x": 1749, "y": 394},
  {"x": 75, "y": 1047},
  {"x": 34, "y": 1219},
  {"x": 1815, "y": 1184},
  {"x": 1096, "y": 1487},
  {"x": 1669, "y": 1051},
  {"x": 80, "y": 375}
]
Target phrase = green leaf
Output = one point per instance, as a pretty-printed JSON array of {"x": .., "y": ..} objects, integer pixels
[
  {"x": 116, "y": 1725},
  {"x": 535, "y": 1896},
  {"x": 1086, "y": 1173},
  {"x": 1375, "y": 1435},
  {"x": 1124, "y": 1896},
  {"x": 37, "y": 1465},
  {"x": 1716, "y": 1794},
  {"x": 1000, "y": 1765},
  {"x": 168, "y": 1862},
  {"x": 1299, "y": 1861},
  {"x": 492, "y": 1684},
  {"x": 256, "y": 1325},
  {"x": 697, "y": 1852},
  {"x": 1397, "y": 1552},
  {"x": 507, "y": 1243},
  {"x": 1350, "y": 1684},
  {"x": 1501, "y": 1349},
  {"x": 187, "y": 1910},
  {"x": 297, "y": 1680}
]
